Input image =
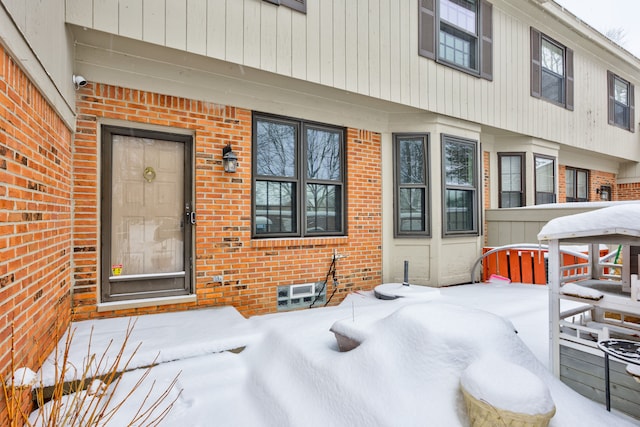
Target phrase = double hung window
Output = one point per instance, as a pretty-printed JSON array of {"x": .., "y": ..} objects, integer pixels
[
  {"x": 551, "y": 70},
  {"x": 577, "y": 184},
  {"x": 460, "y": 186},
  {"x": 411, "y": 162},
  {"x": 511, "y": 171},
  {"x": 545, "y": 179},
  {"x": 621, "y": 102},
  {"x": 298, "y": 178}
]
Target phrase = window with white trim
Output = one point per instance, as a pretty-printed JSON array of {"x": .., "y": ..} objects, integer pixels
[{"x": 460, "y": 208}]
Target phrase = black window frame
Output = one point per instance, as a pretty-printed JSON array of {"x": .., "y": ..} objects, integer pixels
[
  {"x": 429, "y": 27},
  {"x": 538, "y": 194},
  {"x": 523, "y": 174},
  {"x": 537, "y": 71},
  {"x": 574, "y": 186},
  {"x": 300, "y": 179},
  {"x": 474, "y": 230},
  {"x": 425, "y": 186},
  {"x": 613, "y": 103}
]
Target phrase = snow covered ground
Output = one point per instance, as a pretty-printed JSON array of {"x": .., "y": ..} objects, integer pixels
[{"x": 406, "y": 371}]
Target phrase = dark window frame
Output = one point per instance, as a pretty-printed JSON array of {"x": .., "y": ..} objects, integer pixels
[
  {"x": 538, "y": 194},
  {"x": 429, "y": 37},
  {"x": 474, "y": 230},
  {"x": 424, "y": 186},
  {"x": 612, "y": 102},
  {"x": 537, "y": 71},
  {"x": 523, "y": 175},
  {"x": 575, "y": 172},
  {"x": 299, "y": 178}
]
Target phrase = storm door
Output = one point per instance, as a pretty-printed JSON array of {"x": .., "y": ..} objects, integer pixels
[{"x": 147, "y": 214}]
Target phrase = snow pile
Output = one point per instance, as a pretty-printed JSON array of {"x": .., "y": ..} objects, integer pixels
[
  {"x": 619, "y": 219},
  {"x": 573, "y": 290},
  {"x": 507, "y": 386}
]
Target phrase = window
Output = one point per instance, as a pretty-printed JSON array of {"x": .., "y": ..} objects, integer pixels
[
  {"x": 545, "y": 179},
  {"x": 411, "y": 185},
  {"x": 621, "y": 106},
  {"x": 551, "y": 70},
  {"x": 511, "y": 171},
  {"x": 298, "y": 178},
  {"x": 577, "y": 184},
  {"x": 299, "y": 5},
  {"x": 457, "y": 33},
  {"x": 460, "y": 207}
]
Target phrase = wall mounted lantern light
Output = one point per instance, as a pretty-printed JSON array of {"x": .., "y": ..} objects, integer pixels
[
  {"x": 229, "y": 159},
  {"x": 605, "y": 192}
]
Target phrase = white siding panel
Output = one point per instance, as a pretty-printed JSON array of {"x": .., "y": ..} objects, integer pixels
[
  {"x": 197, "y": 26},
  {"x": 234, "y": 31},
  {"x": 105, "y": 15},
  {"x": 153, "y": 21},
  {"x": 269, "y": 38},
  {"x": 252, "y": 31},
  {"x": 283, "y": 41},
  {"x": 394, "y": 42},
  {"x": 351, "y": 45},
  {"x": 374, "y": 48},
  {"x": 413, "y": 56},
  {"x": 216, "y": 28},
  {"x": 326, "y": 42},
  {"x": 176, "y": 24},
  {"x": 385, "y": 50},
  {"x": 79, "y": 12},
  {"x": 339, "y": 44},
  {"x": 363, "y": 46},
  {"x": 313, "y": 41},
  {"x": 405, "y": 55},
  {"x": 129, "y": 18},
  {"x": 299, "y": 45}
]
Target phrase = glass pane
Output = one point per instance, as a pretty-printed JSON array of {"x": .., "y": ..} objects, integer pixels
[
  {"x": 412, "y": 161},
  {"x": 412, "y": 217},
  {"x": 511, "y": 199},
  {"x": 276, "y": 149},
  {"x": 461, "y": 13},
  {"x": 552, "y": 57},
  {"x": 545, "y": 175},
  {"x": 459, "y": 210},
  {"x": 275, "y": 207},
  {"x": 324, "y": 205},
  {"x": 456, "y": 49},
  {"x": 459, "y": 163},
  {"x": 552, "y": 87},
  {"x": 323, "y": 154},
  {"x": 621, "y": 115},
  {"x": 510, "y": 167},
  {"x": 581, "y": 189},
  {"x": 544, "y": 198},
  {"x": 147, "y": 206},
  {"x": 621, "y": 91},
  {"x": 570, "y": 183}
]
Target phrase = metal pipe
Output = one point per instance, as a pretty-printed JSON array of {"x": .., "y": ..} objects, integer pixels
[{"x": 406, "y": 273}]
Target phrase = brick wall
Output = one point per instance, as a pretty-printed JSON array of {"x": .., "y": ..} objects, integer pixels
[
  {"x": 35, "y": 222},
  {"x": 486, "y": 182},
  {"x": 252, "y": 269},
  {"x": 630, "y": 191},
  {"x": 596, "y": 179}
]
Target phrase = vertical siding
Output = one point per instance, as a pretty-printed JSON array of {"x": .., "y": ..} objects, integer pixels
[{"x": 370, "y": 47}]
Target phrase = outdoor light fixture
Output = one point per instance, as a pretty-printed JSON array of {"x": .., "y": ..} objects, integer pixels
[
  {"x": 604, "y": 191},
  {"x": 229, "y": 159}
]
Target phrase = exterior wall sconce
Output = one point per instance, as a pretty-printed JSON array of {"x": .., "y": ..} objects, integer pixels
[
  {"x": 229, "y": 159},
  {"x": 605, "y": 192}
]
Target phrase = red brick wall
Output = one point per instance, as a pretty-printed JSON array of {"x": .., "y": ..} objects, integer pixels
[
  {"x": 629, "y": 191},
  {"x": 35, "y": 222},
  {"x": 596, "y": 179},
  {"x": 486, "y": 182},
  {"x": 251, "y": 268}
]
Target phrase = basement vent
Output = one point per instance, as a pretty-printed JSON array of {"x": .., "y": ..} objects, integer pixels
[{"x": 300, "y": 296}]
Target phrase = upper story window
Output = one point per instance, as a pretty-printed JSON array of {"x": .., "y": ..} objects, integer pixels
[
  {"x": 551, "y": 70},
  {"x": 457, "y": 33},
  {"x": 545, "y": 179},
  {"x": 411, "y": 165},
  {"x": 577, "y": 184},
  {"x": 621, "y": 107},
  {"x": 511, "y": 171},
  {"x": 299, "y": 5},
  {"x": 298, "y": 178},
  {"x": 460, "y": 186}
]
